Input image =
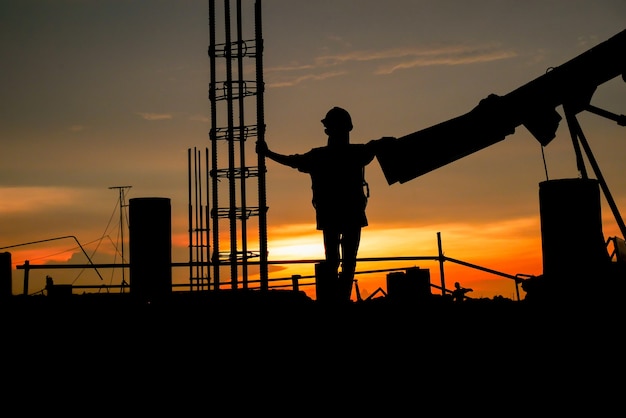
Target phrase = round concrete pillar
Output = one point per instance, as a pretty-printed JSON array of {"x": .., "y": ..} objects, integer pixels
[
  {"x": 150, "y": 240},
  {"x": 573, "y": 244}
]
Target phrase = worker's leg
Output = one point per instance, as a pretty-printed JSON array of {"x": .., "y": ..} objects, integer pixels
[
  {"x": 349, "y": 248},
  {"x": 330, "y": 280},
  {"x": 331, "y": 249}
]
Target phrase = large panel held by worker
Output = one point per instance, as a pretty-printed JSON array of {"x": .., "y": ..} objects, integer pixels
[
  {"x": 418, "y": 153},
  {"x": 150, "y": 230}
]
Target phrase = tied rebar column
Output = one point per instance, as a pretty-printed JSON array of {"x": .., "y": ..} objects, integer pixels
[{"x": 231, "y": 117}]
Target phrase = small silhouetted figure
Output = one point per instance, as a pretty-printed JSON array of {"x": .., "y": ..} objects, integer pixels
[
  {"x": 458, "y": 294},
  {"x": 340, "y": 192}
]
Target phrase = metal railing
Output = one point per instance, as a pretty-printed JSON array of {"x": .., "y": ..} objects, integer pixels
[{"x": 294, "y": 282}]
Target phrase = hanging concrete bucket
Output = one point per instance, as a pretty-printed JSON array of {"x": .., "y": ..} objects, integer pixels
[{"x": 573, "y": 245}]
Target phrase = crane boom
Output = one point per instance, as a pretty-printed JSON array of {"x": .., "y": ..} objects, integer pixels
[{"x": 532, "y": 105}]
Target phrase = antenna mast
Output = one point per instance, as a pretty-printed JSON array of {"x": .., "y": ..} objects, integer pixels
[{"x": 122, "y": 205}]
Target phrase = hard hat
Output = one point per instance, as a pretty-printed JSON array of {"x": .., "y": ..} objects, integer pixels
[{"x": 338, "y": 118}]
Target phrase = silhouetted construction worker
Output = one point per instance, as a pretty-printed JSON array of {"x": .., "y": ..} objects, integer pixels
[
  {"x": 340, "y": 192},
  {"x": 458, "y": 294}
]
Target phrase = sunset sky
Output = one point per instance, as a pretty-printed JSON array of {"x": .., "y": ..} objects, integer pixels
[{"x": 98, "y": 94}]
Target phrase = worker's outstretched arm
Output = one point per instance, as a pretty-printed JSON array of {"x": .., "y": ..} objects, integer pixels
[
  {"x": 378, "y": 145},
  {"x": 262, "y": 149}
]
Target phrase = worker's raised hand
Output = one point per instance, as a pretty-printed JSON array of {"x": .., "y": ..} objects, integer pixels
[
  {"x": 261, "y": 147},
  {"x": 382, "y": 143}
]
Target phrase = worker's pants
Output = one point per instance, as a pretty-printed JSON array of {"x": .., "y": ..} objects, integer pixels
[{"x": 342, "y": 247}]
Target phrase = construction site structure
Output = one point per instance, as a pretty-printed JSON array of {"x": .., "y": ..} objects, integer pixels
[{"x": 226, "y": 191}]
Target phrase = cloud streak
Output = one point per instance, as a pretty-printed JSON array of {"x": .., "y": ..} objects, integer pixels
[
  {"x": 155, "y": 116},
  {"x": 449, "y": 60},
  {"x": 307, "y": 77},
  {"x": 388, "y": 60}
]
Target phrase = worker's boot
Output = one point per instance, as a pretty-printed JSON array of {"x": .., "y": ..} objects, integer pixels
[
  {"x": 345, "y": 287},
  {"x": 326, "y": 284}
]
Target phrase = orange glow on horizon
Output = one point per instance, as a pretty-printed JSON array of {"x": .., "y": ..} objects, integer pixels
[{"x": 511, "y": 247}]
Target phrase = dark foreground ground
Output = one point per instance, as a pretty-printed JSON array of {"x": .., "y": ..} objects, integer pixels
[
  {"x": 280, "y": 351},
  {"x": 257, "y": 321}
]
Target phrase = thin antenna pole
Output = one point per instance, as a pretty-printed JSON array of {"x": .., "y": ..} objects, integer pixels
[{"x": 122, "y": 205}]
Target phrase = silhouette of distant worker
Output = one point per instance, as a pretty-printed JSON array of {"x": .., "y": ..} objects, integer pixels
[
  {"x": 458, "y": 294},
  {"x": 340, "y": 192}
]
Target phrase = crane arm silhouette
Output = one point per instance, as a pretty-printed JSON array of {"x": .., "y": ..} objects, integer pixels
[{"x": 532, "y": 105}]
